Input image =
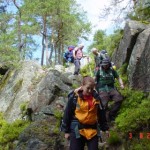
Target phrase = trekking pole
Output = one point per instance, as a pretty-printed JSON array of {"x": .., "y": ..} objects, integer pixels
[{"x": 89, "y": 65}]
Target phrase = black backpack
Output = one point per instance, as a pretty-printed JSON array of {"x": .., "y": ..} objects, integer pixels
[{"x": 68, "y": 55}]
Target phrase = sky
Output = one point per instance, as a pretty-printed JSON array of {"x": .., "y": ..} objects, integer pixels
[{"x": 93, "y": 8}]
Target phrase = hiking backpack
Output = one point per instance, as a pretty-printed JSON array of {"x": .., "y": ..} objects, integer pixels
[
  {"x": 68, "y": 55},
  {"x": 103, "y": 55}
]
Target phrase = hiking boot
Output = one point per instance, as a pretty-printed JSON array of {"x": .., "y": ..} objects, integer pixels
[{"x": 75, "y": 73}]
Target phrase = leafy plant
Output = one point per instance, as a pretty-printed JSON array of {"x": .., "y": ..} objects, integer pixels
[
  {"x": 10, "y": 131},
  {"x": 134, "y": 112},
  {"x": 114, "y": 138}
]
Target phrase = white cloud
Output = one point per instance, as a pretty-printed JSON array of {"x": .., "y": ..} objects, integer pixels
[{"x": 93, "y": 7}]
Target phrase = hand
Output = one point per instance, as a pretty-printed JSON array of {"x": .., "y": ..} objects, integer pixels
[
  {"x": 69, "y": 59},
  {"x": 107, "y": 133},
  {"x": 78, "y": 89},
  {"x": 122, "y": 86},
  {"x": 67, "y": 136}
]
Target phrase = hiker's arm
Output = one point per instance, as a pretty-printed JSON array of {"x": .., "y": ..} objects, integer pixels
[
  {"x": 74, "y": 52},
  {"x": 121, "y": 82},
  {"x": 96, "y": 76},
  {"x": 119, "y": 79}
]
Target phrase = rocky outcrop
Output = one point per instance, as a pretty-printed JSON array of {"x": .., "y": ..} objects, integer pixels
[
  {"x": 33, "y": 87},
  {"x": 43, "y": 95},
  {"x": 131, "y": 31},
  {"x": 134, "y": 50},
  {"x": 139, "y": 64},
  {"x": 14, "y": 88},
  {"x": 53, "y": 85},
  {"x": 41, "y": 135}
]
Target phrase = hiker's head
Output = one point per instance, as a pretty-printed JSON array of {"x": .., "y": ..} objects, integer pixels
[
  {"x": 81, "y": 45},
  {"x": 94, "y": 51},
  {"x": 70, "y": 48},
  {"x": 103, "y": 51},
  {"x": 105, "y": 63},
  {"x": 88, "y": 84}
]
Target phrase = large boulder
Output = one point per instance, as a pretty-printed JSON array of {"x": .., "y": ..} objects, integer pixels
[
  {"x": 14, "y": 90},
  {"x": 139, "y": 64},
  {"x": 42, "y": 135},
  {"x": 30, "y": 88},
  {"x": 134, "y": 50},
  {"x": 54, "y": 84},
  {"x": 123, "y": 52}
]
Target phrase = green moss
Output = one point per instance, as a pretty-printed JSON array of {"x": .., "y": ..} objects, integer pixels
[
  {"x": 23, "y": 109},
  {"x": 134, "y": 112},
  {"x": 87, "y": 70},
  {"x": 138, "y": 144},
  {"x": 1, "y": 76},
  {"x": 114, "y": 139},
  {"x": 123, "y": 69},
  {"x": 5, "y": 79},
  {"x": 18, "y": 86},
  {"x": 10, "y": 131},
  {"x": 58, "y": 115},
  {"x": 74, "y": 86}
]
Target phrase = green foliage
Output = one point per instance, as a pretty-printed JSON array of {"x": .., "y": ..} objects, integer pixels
[
  {"x": 134, "y": 112},
  {"x": 6, "y": 78},
  {"x": 10, "y": 131},
  {"x": 123, "y": 69},
  {"x": 141, "y": 12},
  {"x": 23, "y": 109},
  {"x": 108, "y": 42},
  {"x": 112, "y": 41},
  {"x": 18, "y": 85},
  {"x": 1, "y": 76},
  {"x": 58, "y": 115},
  {"x": 88, "y": 70},
  {"x": 114, "y": 138},
  {"x": 136, "y": 144},
  {"x": 74, "y": 86}
]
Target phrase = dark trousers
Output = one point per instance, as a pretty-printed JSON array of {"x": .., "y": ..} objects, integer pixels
[
  {"x": 115, "y": 96},
  {"x": 79, "y": 143},
  {"x": 77, "y": 66}
]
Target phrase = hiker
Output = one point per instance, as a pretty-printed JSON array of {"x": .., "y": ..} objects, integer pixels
[
  {"x": 103, "y": 55},
  {"x": 77, "y": 54},
  {"x": 68, "y": 55},
  {"x": 105, "y": 78},
  {"x": 96, "y": 58},
  {"x": 82, "y": 114}
]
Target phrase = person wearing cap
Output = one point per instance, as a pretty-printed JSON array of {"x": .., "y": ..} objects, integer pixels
[
  {"x": 103, "y": 55},
  {"x": 77, "y": 54},
  {"x": 105, "y": 78}
]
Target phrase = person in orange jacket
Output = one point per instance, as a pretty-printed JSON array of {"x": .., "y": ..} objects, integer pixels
[{"x": 84, "y": 117}]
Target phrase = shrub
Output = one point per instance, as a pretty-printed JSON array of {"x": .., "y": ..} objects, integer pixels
[{"x": 10, "y": 131}]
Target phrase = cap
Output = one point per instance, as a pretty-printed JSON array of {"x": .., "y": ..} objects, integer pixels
[
  {"x": 71, "y": 47},
  {"x": 103, "y": 51},
  {"x": 105, "y": 62}
]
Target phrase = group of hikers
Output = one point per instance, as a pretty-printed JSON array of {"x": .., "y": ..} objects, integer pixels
[{"x": 86, "y": 112}]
